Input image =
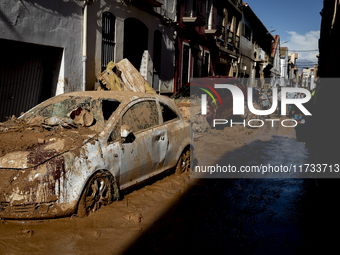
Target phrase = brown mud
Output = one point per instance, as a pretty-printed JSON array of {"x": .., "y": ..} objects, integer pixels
[
  {"x": 162, "y": 207},
  {"x": 18, "y": 135}
]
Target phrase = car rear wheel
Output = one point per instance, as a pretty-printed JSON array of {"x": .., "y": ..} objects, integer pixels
[
  {"x": 100, "y": 190},
  {"x": 183, "y": 164}
]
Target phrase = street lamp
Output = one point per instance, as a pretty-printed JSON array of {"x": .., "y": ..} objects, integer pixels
[{"x": 271, "y": 31}]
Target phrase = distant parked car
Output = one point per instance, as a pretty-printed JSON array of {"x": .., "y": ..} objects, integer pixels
[
  {"x": 224, "y": 100},
  {"x": 87, "y": 146}
]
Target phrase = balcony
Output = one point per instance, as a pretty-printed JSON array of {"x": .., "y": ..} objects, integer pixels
[
  {"x": 230, "y": 40},
  {"x": 193, "y": 11},
  {"x": 237, "y": 43},
  {"x": 233, "y": 41},
  {"x": 221, "y": 38},
  {"x": 214, "y": 23}
]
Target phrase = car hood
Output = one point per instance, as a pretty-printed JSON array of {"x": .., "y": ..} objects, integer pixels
[{"x": 41, "y": 152}]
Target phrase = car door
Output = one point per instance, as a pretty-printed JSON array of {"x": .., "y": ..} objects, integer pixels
[
  {"x": 140, "y": 154},
  {"x": 173, "y": 132}
]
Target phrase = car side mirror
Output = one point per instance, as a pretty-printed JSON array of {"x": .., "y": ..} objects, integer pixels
[
  {"x": 126, "y": 134},
  {"x": 125, "y": 131}
]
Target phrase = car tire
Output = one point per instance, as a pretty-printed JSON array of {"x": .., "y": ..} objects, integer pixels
[
  {"x": 99, "y": 191},
  {"x": 184, "y": 162}
]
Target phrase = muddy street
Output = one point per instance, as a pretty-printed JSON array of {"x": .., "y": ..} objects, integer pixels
[{"x": 183, "y": 215}]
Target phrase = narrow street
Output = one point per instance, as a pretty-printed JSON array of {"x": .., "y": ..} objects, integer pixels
[
  {"x": 97, "y": 97},
  {"x": 277, "y": 215},
  {"x": 183, "y": 215}
]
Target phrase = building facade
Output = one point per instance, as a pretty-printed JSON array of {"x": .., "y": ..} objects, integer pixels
[
  {"x": 329, "y": 53},
  {"x": 207, "y": 39},
  {"x": 308, "y": 78},
  {"x": 284, "y": 66},
  {"x": 42, "y": 45},
  {"x": 256, "y": 50},
  {"x": 198, "y": 24},
  {"x": 129, "y": 29},
  {"x": 275, "y": 71}
]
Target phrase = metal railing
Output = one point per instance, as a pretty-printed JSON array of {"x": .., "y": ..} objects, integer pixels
[
  {"x": 237, "y": 42},
  {"x": 221, "y": 39},
  {"x": 233, "y": 41},
  {"x": 193, "y": 8},
  {"x": 230, "y": 40}
]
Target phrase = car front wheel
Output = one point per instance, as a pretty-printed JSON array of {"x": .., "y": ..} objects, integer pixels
[{"x": 100, "y": 190}]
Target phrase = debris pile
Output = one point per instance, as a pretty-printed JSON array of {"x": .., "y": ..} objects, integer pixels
[
  {"x": 123, "y": 76},
  {"x": 190, "y": 107},
  {"x": 20, "y": 135}
]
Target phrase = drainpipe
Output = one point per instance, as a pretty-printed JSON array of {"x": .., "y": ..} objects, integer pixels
[{"x": 84, "y": 44}]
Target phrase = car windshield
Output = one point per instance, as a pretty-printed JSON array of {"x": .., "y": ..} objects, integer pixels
[
  {"x": 58, "y": 108},
  {"x": 61, "y": 107}
]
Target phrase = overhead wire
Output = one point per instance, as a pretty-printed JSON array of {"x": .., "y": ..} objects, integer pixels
[{"x": 302, "y": 50}]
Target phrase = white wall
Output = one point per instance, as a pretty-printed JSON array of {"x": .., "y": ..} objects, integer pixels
[
  {"x": 56, "y": 23},
  {"x": 122, "y": 12}
]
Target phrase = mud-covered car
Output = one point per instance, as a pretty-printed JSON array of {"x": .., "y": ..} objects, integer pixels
[{"x": 75, "y": 152}]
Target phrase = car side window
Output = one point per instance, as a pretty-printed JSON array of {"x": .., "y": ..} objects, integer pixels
[
  {"x": 108, "y": 107},
  {"x": 167, "y": 113},
  {"x": 141, "y": 116}
]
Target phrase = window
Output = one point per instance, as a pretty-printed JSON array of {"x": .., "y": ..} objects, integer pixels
[
  {"x": 190, "y": 8},
  {"x": 206, "y": 64},
  {"x": 197, "y": 65},
  {"x": 141, "y": 116},
  {"x": 247, "y": 32},
  {"x": 167, "y": 113},
  {"x": 108, "y": 38}
]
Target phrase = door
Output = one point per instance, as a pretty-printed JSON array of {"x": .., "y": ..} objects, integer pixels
[
  {"x": 135, "y": 41},
  {"x": 142, "y": 152}
]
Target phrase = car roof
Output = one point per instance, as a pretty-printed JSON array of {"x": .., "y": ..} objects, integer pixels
[
  {"x": 124, "y": 96},
  {"x": 119, "y": 95}
]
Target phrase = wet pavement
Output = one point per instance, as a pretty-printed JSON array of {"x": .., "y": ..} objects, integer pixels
[
  {"x": 181, "y": 215},
  {"x": 276, "y": 215}
]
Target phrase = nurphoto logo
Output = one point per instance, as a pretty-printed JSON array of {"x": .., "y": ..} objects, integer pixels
[{"x": 238, "y": 107}]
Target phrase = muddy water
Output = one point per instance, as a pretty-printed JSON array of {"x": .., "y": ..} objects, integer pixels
[{"x": 181, "y": 215}]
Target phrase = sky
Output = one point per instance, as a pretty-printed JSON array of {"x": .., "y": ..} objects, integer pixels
[{"x": 295, "y": 21}]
